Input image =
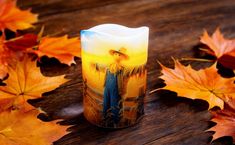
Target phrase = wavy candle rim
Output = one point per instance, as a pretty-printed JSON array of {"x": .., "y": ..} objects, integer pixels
[{"x": 117, "y": 31}]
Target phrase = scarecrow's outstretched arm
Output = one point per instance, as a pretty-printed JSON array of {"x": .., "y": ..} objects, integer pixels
[
  {"x": 131, "y": 71},
  {"x": 98, "y": 67}
]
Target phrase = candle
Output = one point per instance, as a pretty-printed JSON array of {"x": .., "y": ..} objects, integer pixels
[{"x": 114, "y": 73}]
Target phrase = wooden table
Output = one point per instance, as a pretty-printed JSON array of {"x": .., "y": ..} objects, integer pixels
[{"x": 175, "y": 27}]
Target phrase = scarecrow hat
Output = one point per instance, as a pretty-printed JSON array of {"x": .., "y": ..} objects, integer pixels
[{"x": 121, "y": 51}]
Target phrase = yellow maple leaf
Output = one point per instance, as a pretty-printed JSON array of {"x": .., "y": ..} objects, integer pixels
[
  {"x": 205, "y": 84},
  {"x": 24, "y": 128},
  {"x": 26, "y": 81},
  {"x": 62, "y": 48},
  {"x": 13, "y": 18}
]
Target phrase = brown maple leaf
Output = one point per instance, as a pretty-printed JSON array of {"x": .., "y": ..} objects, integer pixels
[
  {"x": 13, "y": 18},
  {"x": 62, "y": 48},
  {"x": 225, "y": 121},
  {"x": 205, "y": 84},
  {"x": 26, "y": 81},
  {"x": 24, "y": 128},
  {"x": 223, "y": 49}
]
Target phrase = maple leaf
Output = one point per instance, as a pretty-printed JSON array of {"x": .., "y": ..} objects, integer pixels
[
  {"x": 62, "y": 48},
  {"x": 24, "y": 128},
  {"x": 13, "y": 18},
  {"x": 5, "y": 55},
  {"x": 21, "y": 43},
  {"x": 5, "y": 104},
  {"x": 225, "y": 121},
  {"x": 223, "y": 49},
  {"x": 204, "y": 84},
  {"x": 12, "y": 49},
  {"x": 25, "y": 82}
]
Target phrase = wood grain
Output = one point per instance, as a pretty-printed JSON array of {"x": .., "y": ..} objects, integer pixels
[{"x": 175, "y": 27}]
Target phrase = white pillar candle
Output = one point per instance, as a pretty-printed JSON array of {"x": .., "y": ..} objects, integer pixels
[{"x": 114, "y": 74}]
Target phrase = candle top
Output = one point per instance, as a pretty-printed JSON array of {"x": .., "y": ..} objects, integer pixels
[
  {"x": 100, "y": 41},
  {"x": 115, "y": 30}
]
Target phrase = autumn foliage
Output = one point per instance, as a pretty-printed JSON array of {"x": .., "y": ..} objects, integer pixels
[
  {"x": 62, "y": 48},
  {"x": 225, "y": 121},
  {"x": 24, "y": 128},
  {"x": 21, "y": 78},
  {"x": 13, "y": 18},
  {"x": 207, "y": 84},
  {"x": 223, "y": 49},
  {"x": 25, "y": 82}
]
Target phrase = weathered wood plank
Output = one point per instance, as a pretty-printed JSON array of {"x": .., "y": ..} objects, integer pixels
[{"x": 175, "y": 26}]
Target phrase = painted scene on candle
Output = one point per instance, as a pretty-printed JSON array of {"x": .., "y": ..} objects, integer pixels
[
  {"x": 114, "y": 92},
  {"x": 114, "y": 75}
]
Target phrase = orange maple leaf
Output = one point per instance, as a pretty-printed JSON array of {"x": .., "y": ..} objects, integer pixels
[
  {"x": 13, "y": 49},
  {"x": 62, "y": 48},
  {"x": 13, "y": 18},
  {"x": 26, "y": 81},
  {"x": 5, "y": 104},
  {"x": 225, "y": 121},
  {"x": 5, "y": 55},
  {"x": 24, "y": 128},
  {"x": 223, "y": 49},
  {"x": 205, "y": 84}
]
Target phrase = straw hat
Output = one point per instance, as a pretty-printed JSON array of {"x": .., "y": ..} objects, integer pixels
[{"x": 121, "y": 51}]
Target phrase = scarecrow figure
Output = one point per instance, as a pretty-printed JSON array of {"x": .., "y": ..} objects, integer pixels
[{"x": 116, "y": 78}]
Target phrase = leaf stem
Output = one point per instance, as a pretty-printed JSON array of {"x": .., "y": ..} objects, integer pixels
[
  {"x": 13, "y": 39},
  {"x": 154, "y": 90},
  {"x": 196, "y": 59}
]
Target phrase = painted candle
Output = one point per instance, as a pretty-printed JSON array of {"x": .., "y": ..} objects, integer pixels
[{"x": 114, "y": 73}]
